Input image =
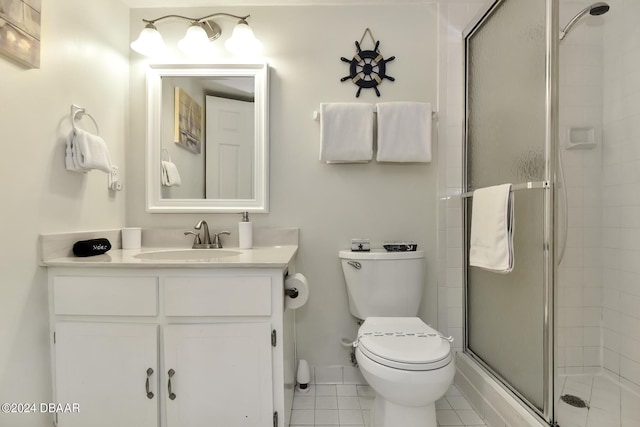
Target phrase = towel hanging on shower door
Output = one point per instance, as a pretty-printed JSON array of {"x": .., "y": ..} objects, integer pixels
[{"x": 492, "y": 226}]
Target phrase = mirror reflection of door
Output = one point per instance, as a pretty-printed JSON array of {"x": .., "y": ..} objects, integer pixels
[{"x": 229, "y": 147}]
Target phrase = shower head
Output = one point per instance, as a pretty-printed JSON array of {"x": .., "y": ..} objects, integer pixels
[
  {"x": 595, "y": 9},
  {"x": 598, "y": 9}
]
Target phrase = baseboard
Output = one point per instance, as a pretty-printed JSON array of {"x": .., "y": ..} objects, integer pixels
[{"x": 336, "y": 375}]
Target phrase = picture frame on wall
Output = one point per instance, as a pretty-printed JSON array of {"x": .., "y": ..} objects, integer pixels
[
  {"x": 188, "y": 121},
  {"x": 20, "y": 31}
]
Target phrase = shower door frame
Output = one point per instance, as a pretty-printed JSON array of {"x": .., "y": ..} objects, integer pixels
[{"x": 550, "y": 236}]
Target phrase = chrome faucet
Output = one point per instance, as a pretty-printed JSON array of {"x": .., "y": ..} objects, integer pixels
[
  {"x": 206, "y": 238},
  {"x": 205, "y": 241}
]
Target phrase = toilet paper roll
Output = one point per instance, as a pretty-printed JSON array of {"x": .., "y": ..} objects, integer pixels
[{"x": 299, "y": 282}]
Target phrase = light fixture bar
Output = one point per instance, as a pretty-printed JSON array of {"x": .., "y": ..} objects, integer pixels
[
  {"x": 212, "y": 29},
  {"x": 241, "y": 18},
  {"x": 186, "y": 18},
  {"x": 201, "y": 31}
]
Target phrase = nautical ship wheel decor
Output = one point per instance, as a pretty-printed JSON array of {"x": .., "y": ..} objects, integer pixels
[{"x": 367, "y": 68}]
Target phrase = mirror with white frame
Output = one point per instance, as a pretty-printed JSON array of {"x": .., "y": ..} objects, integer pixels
[{"x": 207, "y": 138}]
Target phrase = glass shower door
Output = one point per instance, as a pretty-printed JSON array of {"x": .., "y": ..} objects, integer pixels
[{"x": 508, "y": 139}]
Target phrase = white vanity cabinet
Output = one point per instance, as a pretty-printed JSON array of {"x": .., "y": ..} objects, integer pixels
[
  {"x": 102, "y": 367},
  {"x": 170, "y": 347},
  {"x": 220, "y": 374}
]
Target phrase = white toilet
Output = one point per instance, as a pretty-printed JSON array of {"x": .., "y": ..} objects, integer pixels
[{"x": 406, "y": 362}]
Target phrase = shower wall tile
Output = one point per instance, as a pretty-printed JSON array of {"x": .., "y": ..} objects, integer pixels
[
  {"x": 611, "y": 361},
  {"x": 591, "y": 316},
  {"x": 454, "y": 277},
  {"x": 630, "y": 369},
  {"x": 454, "y": 298},
  {"x": 592, "y": 297},
  {"x": 592, "y": 337},
  {"x": 621, "y": 174},
  {"x": 592, "y": 356},
  {"x": 630, "y": 348},
  {"x": 454, "y": 17},
  {"x": 580, "y": 275}
]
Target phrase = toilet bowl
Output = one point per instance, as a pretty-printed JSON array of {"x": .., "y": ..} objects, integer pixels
[
  {"x": 409, "y": 365},
  {"x": 406, "y": 362}
]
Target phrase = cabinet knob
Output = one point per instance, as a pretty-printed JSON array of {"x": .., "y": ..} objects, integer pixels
[
  {"x": 171, "y": 373},
  {"x": 149, "y": 393}
]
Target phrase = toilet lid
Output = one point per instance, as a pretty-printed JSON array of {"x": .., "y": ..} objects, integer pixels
[{"x": 403, "y": 343}]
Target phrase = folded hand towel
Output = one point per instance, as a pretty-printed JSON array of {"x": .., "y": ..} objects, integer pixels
[
  {"x": 404, "y": 132},
  {"x": 346, "y": 132},
  {"x": 170, "y": 174},
  {"x": 70, "y": 158},
  {"x": 90, "y": 151},
  {"x": 492, "y": 225}
]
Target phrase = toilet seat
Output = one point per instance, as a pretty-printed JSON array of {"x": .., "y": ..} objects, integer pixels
[{"x": 403, "y": 343}]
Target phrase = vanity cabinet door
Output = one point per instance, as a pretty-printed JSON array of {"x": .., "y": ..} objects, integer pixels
[
  {"x": 104, "y": 368},
  {"x": 221, "y": 375}
]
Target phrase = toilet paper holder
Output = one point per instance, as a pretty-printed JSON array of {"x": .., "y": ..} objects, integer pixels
[
  {"x": 292, "y": 293},
  {"x": 296, "y": 291}
]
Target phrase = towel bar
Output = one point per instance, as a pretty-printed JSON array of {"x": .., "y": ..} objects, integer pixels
[
  {"x": 316, "y": 114},
  {"x": 524, "y": 186}
]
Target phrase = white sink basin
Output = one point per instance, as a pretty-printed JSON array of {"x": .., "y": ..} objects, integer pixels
[{"x": 187, "y": 254}]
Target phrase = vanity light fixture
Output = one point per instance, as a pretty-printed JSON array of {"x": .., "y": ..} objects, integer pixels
[{"x": 200, "y": 33}]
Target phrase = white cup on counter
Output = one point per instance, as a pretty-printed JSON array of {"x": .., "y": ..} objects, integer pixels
[{"x": 131, "y": 238}]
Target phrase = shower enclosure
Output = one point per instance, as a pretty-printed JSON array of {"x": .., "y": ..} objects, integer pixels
[
  {"x": 510, "y": 135},
  {"x": 560, "y": 120}
]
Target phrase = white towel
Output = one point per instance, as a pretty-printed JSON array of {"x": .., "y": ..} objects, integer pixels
[
  {"x": 404, "y": 132},
  {"x": 170, "y": 174},
  {"x": 86, "y": 151},
  {"x": 346, "y": 132},
  {"x": 492, "y": 224},
  {"x": 69, "y": 158}
]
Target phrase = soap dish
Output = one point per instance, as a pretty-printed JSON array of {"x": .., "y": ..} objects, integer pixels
[{"x": 400, "y": 246}]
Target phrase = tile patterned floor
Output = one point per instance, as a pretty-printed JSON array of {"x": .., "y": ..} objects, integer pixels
[
  {"x": 349, "y": 405},
  {"x": 609, "y": 404}
]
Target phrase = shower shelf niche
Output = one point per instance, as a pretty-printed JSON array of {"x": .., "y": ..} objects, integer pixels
[{"x": 581, "y": 138}]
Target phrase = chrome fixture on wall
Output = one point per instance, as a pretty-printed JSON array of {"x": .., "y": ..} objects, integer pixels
[
  {"x": 595, "y": 9},
  {"x": 200, "y": 33}
]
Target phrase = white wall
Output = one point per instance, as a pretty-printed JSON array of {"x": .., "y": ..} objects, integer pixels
[
  {"x": 83, "y": 61},
  {"x": 329, "y": 203}
]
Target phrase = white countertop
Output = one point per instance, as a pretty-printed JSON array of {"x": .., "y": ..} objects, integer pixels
[{"x": 258, "y": 257}]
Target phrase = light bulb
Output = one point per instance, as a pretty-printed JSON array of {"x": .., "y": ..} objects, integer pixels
[
  {"x": 195, "y": 41},
  {"x": 149, "y": 42},
  {"x": 242, "y": 41}
]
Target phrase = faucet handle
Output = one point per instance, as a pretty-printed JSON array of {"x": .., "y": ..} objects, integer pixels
[
  {"x": 196, "y": 240},
  {"x": 216, "y": 239}
]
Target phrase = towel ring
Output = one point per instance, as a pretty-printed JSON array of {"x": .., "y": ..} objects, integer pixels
[
  {"x": 166, "y": 157},
  {"x": 77, "y": 113}
]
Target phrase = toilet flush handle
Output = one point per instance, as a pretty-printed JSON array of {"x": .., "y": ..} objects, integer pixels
[{"x": 355, "y": 264}]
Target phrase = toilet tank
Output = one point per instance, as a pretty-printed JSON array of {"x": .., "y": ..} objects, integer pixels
[{"x": 383, "y": 284}]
